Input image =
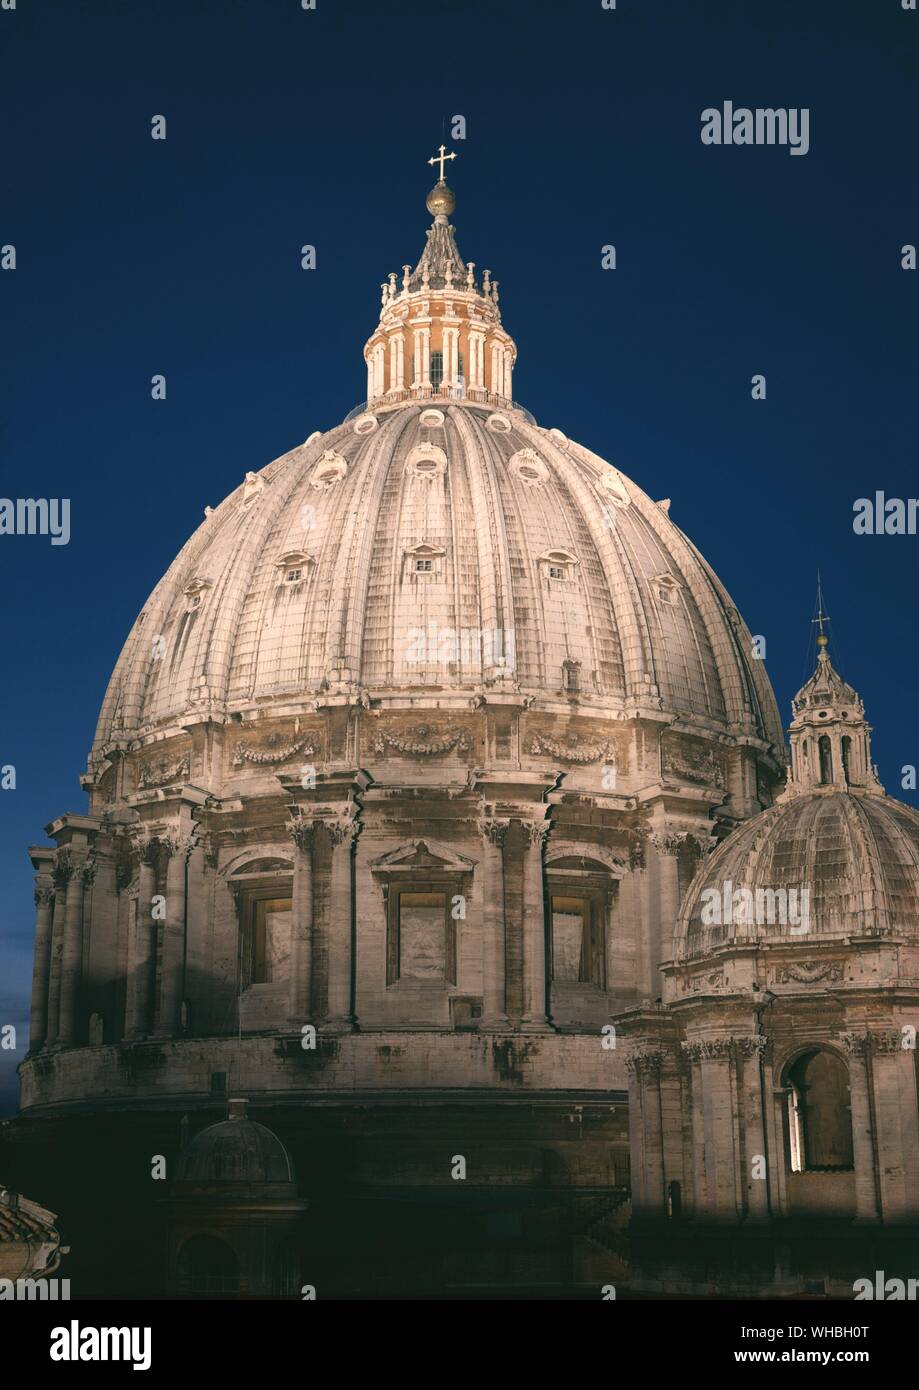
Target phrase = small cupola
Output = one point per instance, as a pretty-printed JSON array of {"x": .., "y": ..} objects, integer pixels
[
  {"x": 830, "y": 737},
  {"x": 440, "y": 334}
]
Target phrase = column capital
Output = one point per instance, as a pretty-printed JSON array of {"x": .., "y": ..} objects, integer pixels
[
  {"x": 302, "y": 833},
  {"x": 536, "y": 832},
  {"x": 856, "y": 1044},
  {"x": 494, "y": 829},
  {"x": 644, "y": 1061}
]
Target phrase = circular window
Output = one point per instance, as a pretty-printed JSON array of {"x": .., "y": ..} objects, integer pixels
[
  {"x": 317, "y": 434},
  {"x": 614, "y": 489},
  {"x": 365, "y": 424},
  {"x": 499, "y": 424},
  {"x": 426, "y": 461},
  {"x": 528, "y": 467},
  {"x": 330, "y": 470},
  {"x": 432, "y": 419},
  {"x": 559, "y": 440}
]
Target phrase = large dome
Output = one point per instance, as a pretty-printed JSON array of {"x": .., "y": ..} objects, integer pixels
[{"x": 450, "y": 548}]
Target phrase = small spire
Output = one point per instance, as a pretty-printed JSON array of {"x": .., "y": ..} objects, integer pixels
[{"x": 821, "y": 618}]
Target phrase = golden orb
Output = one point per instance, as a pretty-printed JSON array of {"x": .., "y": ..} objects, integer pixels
[{"x": 440, "y": 200}]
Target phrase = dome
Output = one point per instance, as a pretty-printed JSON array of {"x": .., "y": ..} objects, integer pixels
[
  {"x": 446, "y": 548},
  {"x": 236, "y": 1152},
  {"x": 856, "y": 856}
]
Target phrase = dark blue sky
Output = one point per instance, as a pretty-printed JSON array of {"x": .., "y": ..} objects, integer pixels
[{"x": 287, "y": 127}]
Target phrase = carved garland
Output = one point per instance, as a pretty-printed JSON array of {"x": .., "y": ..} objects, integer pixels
[
  {"x": 270, "y": 753},
  {"x": 159, "y": 771},
  {"x": 809, "y": 972},
  {"x": 417, "y": 743},
  {"x": 575, "y": 752}
]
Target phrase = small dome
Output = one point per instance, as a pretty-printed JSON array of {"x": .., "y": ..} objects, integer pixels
[
  {"x": 237, "y": 1151},
  {"x": 857, "y": 858}
]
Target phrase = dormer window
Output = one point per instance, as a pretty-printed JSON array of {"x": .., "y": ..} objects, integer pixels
[
  {"x": 424, "y": 562},
  {"x": 293, "y": 566},
  {"x": 571, "y": 681},
  {"x": 558, "y": 565},
  {"x": 666, "y": 588},
  {"x": 194, "y": 593}
]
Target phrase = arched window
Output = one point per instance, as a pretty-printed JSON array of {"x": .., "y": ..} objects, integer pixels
[
  {"x": 437, "y": 370},
  {"x": 819, "y": 1121},
  {"x": 207, "y": 1266},
  {"x": 826, "y": 761},
  {"x": 846, "y": 758},
  {"x": 263, "y": 889}
]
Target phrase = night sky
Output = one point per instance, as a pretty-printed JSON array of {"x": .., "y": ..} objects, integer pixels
[{"x": 287, "y": 127}]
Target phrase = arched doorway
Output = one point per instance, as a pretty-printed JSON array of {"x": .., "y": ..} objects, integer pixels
[
  {"x": 206, "y": 1266},
  {"x": 818, "y": 1134}
]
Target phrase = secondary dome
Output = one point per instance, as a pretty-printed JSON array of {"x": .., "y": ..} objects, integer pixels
[
  {"x": 235, "y": 1151},
  {"x": 834, "y": 857},
  {"x": 856, "y": 856}
]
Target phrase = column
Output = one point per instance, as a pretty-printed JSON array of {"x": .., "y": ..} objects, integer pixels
[
  {"x": 892, "y": 1079},
  {"x": 140, "y": 953},
  {"x": 426, "y": 358},
  {"x": 496, "y": 360},
  {"x": 477, "y": 359},
  {"x": 716, "y": 1070},
  {"x": 41, "y": 966},
  {"x": 169, "y": 1020},
  {"x": 494, "y": 833},
  {"x": 451, "y": 336},
  {"x": 508, "y": 370},
  {"x": 645, "y": 1064},
  {"x": 416, "y": 357},
  {"x": 757, "y": 1188},
  {"x": 534, "y": 931},
  {"x": 866, "y": 1193},
  {"x": 667, "y": 845},
  {"x": 370, "y": 377},
  {"x": 340, "y": 1017},
  {"x": 71, "y": 955},
  {"x": 63, "y": 872},
  {"x": 301, "y": 945},
  {"x": 692, "y": 1054}
]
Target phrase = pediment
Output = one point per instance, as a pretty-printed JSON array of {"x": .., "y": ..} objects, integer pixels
[{"x": 423, "y": 854}]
